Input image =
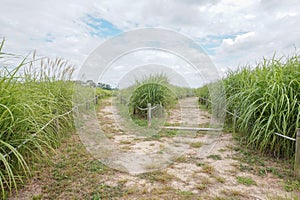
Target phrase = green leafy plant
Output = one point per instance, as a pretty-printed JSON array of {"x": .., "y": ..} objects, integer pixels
[
  {"x": 155, "y": 90},
  {"x": 266, "y": 98},
  {"x": 33, "y": 95}
]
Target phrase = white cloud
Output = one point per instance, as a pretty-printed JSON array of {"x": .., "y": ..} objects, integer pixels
[
  {"x": 239, "y": 39},
  {"x": 243, "y": 31},
  {"x": 281, "y": 15}
]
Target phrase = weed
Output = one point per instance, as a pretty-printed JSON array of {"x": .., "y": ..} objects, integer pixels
[
  {"x": 153, "y": 137},
  {"x": 96, "y": 166},
  {"x": 243, "y": 167},
  {"x": 292, "y": 185},
  {"x": 286, "y": 197},
  {"x": 125, "y": 142},
  {"x": 162, "y": 190},
  {"x": 104, "y": 191},
  {"x": 201, "y": 186},
  {"x": 109, "y": 135},
  {"x": 220, "y": 179},
  {"x": 232, "y": 193},
  {"x": 37, "y": 197},
  {"x": 168, "y": 133},
  {"x": 196, "y": 144},
  {"x": 215, "y": 157},
  {"x": 181, "y": 159},
  {"x": 206, "y": 181},
  {"x": 206, "y": 168},
  {"x": 245, "y": 180},
  {"x": 171, "y": 124},
  {"x": 200, "y": 164},
  {"x": 185, "y": 193},
  {"x": 158, "y": 176}
]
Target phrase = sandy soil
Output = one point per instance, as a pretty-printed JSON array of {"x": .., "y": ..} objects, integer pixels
[
  {"x": 200, "y": 165},
  {"x": 177, "y": 157}
]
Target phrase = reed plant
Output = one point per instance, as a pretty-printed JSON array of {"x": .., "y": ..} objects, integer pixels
[
  {"x": 154, "y": 89},
  {"x": 32, "y": 93},
  {"x": 266, "y": 99}
]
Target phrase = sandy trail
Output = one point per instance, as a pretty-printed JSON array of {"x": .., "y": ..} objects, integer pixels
[
  {"x": 188, "y": 165},
  {"x": 180, "y": 156},
  {"x": 134, "y": 153}
]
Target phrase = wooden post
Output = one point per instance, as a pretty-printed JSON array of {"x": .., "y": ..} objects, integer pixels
[
  {"x": 206, "y": 102},
  {"x": 149, "y": 114},
  {"x": 96, "y": 99},
  {"x": 87, "y": 105},
  {"x": 77, "y": 111},
  {"x": 297, "y": 155},
  {"x": 234, "y": 120}
]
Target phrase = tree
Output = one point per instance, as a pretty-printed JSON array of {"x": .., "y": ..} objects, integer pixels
[{"x": 91, "y": 83}]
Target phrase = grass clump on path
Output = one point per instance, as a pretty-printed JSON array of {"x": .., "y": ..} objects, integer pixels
[{"x": 154, "y": 89}]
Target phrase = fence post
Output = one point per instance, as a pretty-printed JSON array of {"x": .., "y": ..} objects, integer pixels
[
  {"x": 77, "y": 111},
  {"x": 122, "y": 100},
  {"x": 96, "y": 99},
  {"x": 297, "y": 155},
  {"x": 149, "y": 114},
  {"x": 234, "y": 120},
  {"x": 87, "y": 105}
]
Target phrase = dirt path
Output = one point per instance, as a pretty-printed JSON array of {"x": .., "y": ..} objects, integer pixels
[
  {"x": 124, "y": 148},
  {"x": 165, "y": 165},
  {"x": 187, "y": 113},
  {"x": 200, "y": 163}
]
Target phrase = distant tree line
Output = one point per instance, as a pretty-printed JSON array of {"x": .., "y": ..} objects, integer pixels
[
  {"x": 91, "y": 83},
  {"x": 105, "y": 86}
]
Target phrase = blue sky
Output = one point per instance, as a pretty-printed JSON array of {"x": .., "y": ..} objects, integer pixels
[
  {"x": 210, "y": 43},
  {"x": 101, "y": 27},
  {"x": 105, "y": 29},
  {"x": 232, "y": 32}
]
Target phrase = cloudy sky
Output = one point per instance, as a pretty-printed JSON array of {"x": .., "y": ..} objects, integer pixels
[{"x": 231, "y": 32}]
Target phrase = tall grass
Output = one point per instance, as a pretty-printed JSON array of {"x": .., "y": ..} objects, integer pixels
[
  {"x": 154, "y": 89},
  {"x": 204, "y": 95},
  {"x": 267, "y": 100},
  {"x": 31, "y": 94}
]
